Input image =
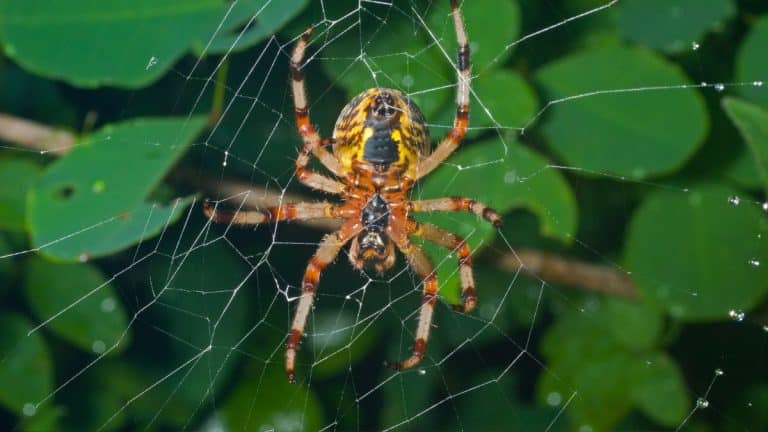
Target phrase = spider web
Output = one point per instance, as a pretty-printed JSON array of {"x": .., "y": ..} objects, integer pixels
[{"x": 209, "y": 305}]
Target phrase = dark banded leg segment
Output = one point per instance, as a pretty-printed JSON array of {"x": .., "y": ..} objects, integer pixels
[
  {"x": 452, "y": 140},
  {"x": 313, "y": 144},
  {"x": 457, "y": 244},
  {"x": 327, "y": 251},
  {"x": 285, "y": 212},
  {"x": 458, "y": 204},
  {"x": 421, "y": 265}
]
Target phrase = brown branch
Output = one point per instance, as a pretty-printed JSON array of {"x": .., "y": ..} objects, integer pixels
[
  {"x": 549, "y": 267},
  {"x": 556, "y": 269},
  {"x": 34, "y": 135}
]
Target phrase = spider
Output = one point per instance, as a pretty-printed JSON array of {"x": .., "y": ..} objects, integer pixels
[{"x": 380, "y": 148}]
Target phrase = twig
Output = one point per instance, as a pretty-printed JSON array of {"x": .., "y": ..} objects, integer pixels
[
  {"x": 549, "y": 267},
  {"x": 556, "y": 269},
  {"x": 34, "y": 135}
]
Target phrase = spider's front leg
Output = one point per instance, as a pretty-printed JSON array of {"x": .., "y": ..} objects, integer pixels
[
  {"x": 313, "y": 143},
  {"x": 325, "y": 254}
]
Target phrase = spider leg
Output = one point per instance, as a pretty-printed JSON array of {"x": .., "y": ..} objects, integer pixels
[
  {"x": 455, "y": 243},
  {"x": 285, "y": 212},
  {"x": 458, "y": 204},
  {"x": 423, "y": 267},
  {"x": 313, "y": 144},
  {"x": 451, "y": 141},
  {"x": 325, "y": 254}
]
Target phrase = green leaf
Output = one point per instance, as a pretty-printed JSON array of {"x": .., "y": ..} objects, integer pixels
[
  {"x": 82, "y": 305},
  {"x": 609, "y": 366},
  {"x": 125, "y": 43},
  {"x": 261, "y": 17},
  {"x": 752, "y": 123},
  {"x": 91, "y": 202},
  {"x": 626, "y": 133},
  {"x": 659, "y": 391},
  {"x": 676, "y": 25},
  {"x": 502, "y": 175},
  {"x": 489, "y": 33},
  {"x": 26, "y": 371},
  {"x": 752, "y": 64},
  {"x": 17, "y": 176},
  {"x": 269, "y": 402},
  {"x": 708, "y": 246},
  {"x": 492, "y": 107}
]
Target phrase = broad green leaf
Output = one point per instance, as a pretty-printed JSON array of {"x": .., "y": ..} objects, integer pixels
[
  {"x": 629, "y": 133},
  {"x": 677, "y": 25},
  {"x": 752, "y": 122},
  {"x": 82, "y": 306},
  {"x": 17, "y": 176},
  {"x": 489, "y": 33},
  {"x": 91, "y": 202},
  {"x": 502, "y": 99},
  {"x": 26, "y": 370},
  {"x": 502, "y": 175},
  {"x": 752, "y": 63},
  {"x": 269, "y": 402},
  {"x": 123, "y": 43},
  {"x": 712, "y": 257},
  {"x": 592, "y": 357},
  {"x": 658, "y": 389},
  {"x": 249, "y": 22}
]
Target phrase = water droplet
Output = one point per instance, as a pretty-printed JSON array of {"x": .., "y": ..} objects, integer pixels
[
  {"x": 408, "y": 81},
  {"x": 702, "y": 403},
  {"x": 719, "y": 87},
  {"x": 554, "y": 399},
  {"x": 348, "y": 297},
  {"x": 765, "y": 328},
  {"x": 703, "y": 84},
  {"x": 83, "y": 257},
  {"x": 719, "y": 372},
  {"x": 757, "y": 83},
  {"x": 152, "y": 62},
  {"x": 98, "y": 346},
  {"x": 29, "y": 409},
  {"x": 226, "y": 156},
  {"x": 765, "y": 206},
  {"x": 695, "y": 45},
  {"x": 754, "y": 262},
  {"x": 108, "y": 304},
  {"x": 734, "y": 199},
  {"x": 737, "y": 315},
  {"x": 422, "y": 371}
]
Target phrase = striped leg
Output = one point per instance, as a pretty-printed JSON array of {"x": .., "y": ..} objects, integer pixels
[
  {"x": 421, "y": 265},
  {"x": 452, "y": 140},
  {"x": 458, "y": 204},
  {"x": 285, "y": 212},
  {"x": 455, "y": 243},
  {"x": 313, "y": 144},
  {"x": 325, "y": 254}
]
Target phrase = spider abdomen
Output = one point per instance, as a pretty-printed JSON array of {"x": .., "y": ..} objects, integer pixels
[{"x": 383, "y": 127}]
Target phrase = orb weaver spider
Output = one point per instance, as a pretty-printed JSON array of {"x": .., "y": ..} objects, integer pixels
[{"x": 380, "y": 148}]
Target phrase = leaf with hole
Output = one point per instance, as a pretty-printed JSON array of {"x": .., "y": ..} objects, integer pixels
[{"x": 91, "y": 202}]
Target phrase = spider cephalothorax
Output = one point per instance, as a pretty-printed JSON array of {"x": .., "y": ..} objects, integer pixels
[{"x": 380, "y": 147}]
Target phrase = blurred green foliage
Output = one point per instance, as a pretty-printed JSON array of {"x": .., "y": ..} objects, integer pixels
[{"x": 121, "y": 310}]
